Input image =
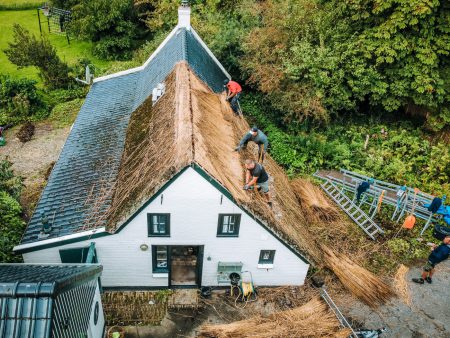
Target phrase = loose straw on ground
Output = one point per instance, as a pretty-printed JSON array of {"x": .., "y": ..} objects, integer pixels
[
  {"x": 362, "y": 283},
  {"x": 314, "y": 319},
  {"x": 401, "y": 285}
]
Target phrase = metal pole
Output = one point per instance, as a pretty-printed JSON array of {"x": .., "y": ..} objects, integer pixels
[{"x": 39, "y": 19}]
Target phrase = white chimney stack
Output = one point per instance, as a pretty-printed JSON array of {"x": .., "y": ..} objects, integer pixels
[{"x": 184, "y": 14}]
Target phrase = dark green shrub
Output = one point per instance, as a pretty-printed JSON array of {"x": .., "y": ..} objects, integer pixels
[{"x": 19, "y": 98}]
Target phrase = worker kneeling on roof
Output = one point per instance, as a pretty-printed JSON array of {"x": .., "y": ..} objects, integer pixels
[
  {"x": 256, "y": 176},
  {"x": 259, "y": 138},
  {"x": 234, "y": 91}
]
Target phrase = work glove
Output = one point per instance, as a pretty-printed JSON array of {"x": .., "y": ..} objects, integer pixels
[{"x": 246, "y": 187}]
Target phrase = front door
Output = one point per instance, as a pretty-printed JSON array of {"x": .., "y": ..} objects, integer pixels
[{"x": 185, "y": 266}]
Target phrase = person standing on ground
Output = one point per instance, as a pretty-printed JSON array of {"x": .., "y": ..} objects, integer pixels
[
  {"x": 234, "y": 91},
  {"x": 439, "y": 254},
  {"x": 259, "y": 138},
  {"x": 256, "y": 176}
]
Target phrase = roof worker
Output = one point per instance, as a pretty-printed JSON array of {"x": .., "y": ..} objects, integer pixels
[
  {"x": 256, "y": 176},
  {"x": 234, "y": 91},
  {"x": 439, "y": 254},
  {"x": 259, "y": 138}
]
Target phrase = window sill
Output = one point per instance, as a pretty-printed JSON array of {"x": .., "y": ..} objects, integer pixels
[
  {"x": 220, "y": 235},
  {"x": 160, "y": 275},
  {"x": 265, "y": 266}
]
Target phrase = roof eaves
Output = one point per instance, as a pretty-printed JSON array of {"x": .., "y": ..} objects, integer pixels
[{"x": 58, "y": 241}]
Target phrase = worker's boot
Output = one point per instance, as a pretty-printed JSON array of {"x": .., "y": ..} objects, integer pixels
[
  {"x": 429, "y": 280},
  {"x": 418, "y": 280}
]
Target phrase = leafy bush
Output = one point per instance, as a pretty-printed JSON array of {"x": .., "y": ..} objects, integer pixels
[
  {"x": 26, "y": 51},
  {"x": 8, "y": 182},
  {"x": 11, "y": 223},
  {"x": 19, "y": 99},
  {"x": 11, "y": 226}
]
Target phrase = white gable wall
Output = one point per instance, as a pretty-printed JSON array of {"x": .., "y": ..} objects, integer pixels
[{"x": 194, "y": 205}]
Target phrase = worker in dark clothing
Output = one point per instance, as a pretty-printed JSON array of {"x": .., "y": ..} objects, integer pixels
[
  {"x": 439, "y": 254},
  {"x": 362, "y": 188},
  {"x": 234, "y": 91},
  {"x": 259, "y": 138},
  {"x": 256, "y": 176}
]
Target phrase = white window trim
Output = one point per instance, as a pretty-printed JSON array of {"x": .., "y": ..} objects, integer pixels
[
  {"x": 265, "y": 266},
  {"x": 160, "y": 275}
]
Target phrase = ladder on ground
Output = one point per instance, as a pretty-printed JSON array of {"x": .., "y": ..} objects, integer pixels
[
  {"x": 342, "y": 320},
  {"x": 351, "y": 209}
]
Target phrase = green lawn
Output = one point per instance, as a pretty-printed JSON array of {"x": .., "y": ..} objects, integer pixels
[{"x": 28, "y": 19}]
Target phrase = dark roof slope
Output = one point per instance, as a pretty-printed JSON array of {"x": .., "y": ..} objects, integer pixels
[
  {"x": 22, "y": 280},
  {"x": 79, "y": 190},
  {"x": 29, "y": 302}
]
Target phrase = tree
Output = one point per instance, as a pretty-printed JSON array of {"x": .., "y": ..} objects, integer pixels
[
  {"x": 319, "y": 58},
  {"x": 26, "y": 50},
  {"x": 111, "y": 24}
]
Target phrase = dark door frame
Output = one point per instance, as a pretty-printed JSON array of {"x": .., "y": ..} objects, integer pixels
[{"x": 198, "y": 268}]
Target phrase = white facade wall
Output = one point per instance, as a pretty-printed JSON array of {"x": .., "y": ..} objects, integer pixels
[{"x": 194, "y": 205}]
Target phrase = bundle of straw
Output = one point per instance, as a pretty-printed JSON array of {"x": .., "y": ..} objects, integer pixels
[
  {"x": 401, "y": 286},
  {"x": 315, "y": 205},
  {"x": 314, "y": 319},
  {"x": 362, "y": 283}
]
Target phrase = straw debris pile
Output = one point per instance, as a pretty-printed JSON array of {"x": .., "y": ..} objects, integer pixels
[{"x": 314, "y": 319}]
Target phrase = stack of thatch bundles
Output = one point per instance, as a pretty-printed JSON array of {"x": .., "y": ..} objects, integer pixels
[
  {"x": 362, "y": 283},
  {"x": 314, "y": 319},
  {"x": 315, "y": 205}
]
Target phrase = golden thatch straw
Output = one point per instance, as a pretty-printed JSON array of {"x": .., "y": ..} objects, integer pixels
[
  {"x": 362, "y": 283},
  {"x": 401, "y": 285},
  {"x": 314, "y": 319}
]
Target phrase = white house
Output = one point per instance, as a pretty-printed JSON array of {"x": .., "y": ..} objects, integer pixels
[{"x": 148, "y": 174}]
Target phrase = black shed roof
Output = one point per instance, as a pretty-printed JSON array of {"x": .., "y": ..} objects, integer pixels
[{"x": 28, "y": 291}]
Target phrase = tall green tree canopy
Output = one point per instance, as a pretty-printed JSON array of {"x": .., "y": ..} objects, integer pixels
[
  {"x": 318, "y": 58},
  {"x": 111, "y": 24}
]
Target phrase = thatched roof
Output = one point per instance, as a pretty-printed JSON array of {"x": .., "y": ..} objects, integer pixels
[{"x": 190, "y": 124}]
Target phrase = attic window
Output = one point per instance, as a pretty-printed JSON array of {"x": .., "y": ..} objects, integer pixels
[{"x": 158, "y": 91}]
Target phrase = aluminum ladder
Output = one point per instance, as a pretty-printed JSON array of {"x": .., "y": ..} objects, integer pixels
[{"x": 351, "y": 209}]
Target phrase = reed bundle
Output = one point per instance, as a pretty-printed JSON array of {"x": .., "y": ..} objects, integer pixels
[
  {"x": 316, "y": 207},
  {"x": 401, "y": 286},
  {"x": 359, "y": 281}
]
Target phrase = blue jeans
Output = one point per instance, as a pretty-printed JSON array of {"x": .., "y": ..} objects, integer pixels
[{"x": 235, "y": 103}]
